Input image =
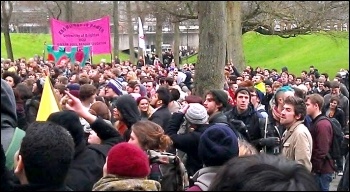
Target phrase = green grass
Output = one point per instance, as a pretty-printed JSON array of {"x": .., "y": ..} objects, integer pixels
[
  {"x": 27, "y": 45},
  {"x": 327, "y": 53}
]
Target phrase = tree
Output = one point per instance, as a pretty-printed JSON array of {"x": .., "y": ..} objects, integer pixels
[
  {"x": 212, "y": 38},
  {"x": 6, "y": 12},
  {"x": 69, "y": 11},
  {"x": 116, "y": 28},
  {"x": 130, "y": 32},
  {"x": 159, "y": 34},
  {"x": 234, "y": 44},
  {"x": 54, "y": 11},
  {"x": 176, "y": 50}
]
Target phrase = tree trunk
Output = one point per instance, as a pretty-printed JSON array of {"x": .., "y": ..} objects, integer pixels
[
  {"x": 8, "y": 43},
  {"x": 130, "y": 33},
  {"x": 234, "y": 45},
  {"x": 6, "y": 12},
  {"x": 238, "y": 52},
  {"x": 159, "y": 36},
  {"x": 69, "y": 11},
  {"x": 212, "y": 46},
  {"x": 115, "y": 29},
  {"x": 230, "y": 35},
  {"x": 176, "y": 50}
]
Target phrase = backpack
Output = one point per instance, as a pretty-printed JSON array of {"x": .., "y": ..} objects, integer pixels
[
  {"x": 337, "y": 139},
  {"x": 168, "y": 170}
]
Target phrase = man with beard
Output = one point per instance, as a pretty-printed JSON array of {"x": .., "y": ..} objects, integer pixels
[
  {"x": 296, "y": 140},
  {"x": 160, "y": 101}
]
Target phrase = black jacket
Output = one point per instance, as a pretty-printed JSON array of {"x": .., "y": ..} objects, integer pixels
[
  {"x": 218, "y": 117},
  {"x": 251, "y": 120},
  {"x": 187, "y": 142},
  {"x": 161, "y": 116},
  {"x": 86, "y": 168}
]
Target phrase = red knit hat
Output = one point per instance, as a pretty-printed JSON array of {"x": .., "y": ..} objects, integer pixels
[{"x": 128, "y": 160}]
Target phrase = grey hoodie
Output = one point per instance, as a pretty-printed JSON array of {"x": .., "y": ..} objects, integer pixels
[
  {"x": 203, "y": 177},
  {"x": 8, "y": 114}
]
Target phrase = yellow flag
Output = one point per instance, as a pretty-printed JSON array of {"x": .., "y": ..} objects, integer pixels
[{"x": 48, "y": 102}]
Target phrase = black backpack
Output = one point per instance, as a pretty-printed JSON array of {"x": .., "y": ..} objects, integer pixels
[{"x": 337, "y": 139}]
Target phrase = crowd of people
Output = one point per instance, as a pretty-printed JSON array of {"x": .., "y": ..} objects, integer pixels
[{"x": 264, "y": 130}]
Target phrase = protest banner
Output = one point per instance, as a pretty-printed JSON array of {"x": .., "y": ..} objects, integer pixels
[{"x": 94, "y": 33}]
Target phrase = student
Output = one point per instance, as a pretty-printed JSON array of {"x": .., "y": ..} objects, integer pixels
[
  {"x": 44, "y": 158},
  {"x": 126, "y": 169},
  {"x": 217, "y": 145},
  {"x": 296, "y": 141}
]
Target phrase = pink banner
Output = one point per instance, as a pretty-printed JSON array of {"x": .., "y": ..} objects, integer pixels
[{"x": 94, "y": 33}]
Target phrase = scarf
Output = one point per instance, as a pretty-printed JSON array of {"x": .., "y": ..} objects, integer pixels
[{"x": 276, "y": 114}]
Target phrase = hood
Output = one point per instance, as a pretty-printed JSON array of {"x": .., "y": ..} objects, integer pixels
[
  {"x": 8, "y": 114},
  {"x": 127, "y": 106}
]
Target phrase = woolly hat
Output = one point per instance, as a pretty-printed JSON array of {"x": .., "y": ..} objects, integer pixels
[
  {"x": 116, "y": 86},
  {"x": 75, "y": 93},
  {"x": 221, "y": 96},
  {"x": 70, "y": 121},
  {"x": 73, "y": 86},
  {"x": 217, "y": 144},
  {"x": 196, "y": 114},
  {"x": 284, "y": 69},
  {"x": 241, "y": 89},
  {"x": 260, "y": 95},
  {"x": 127, "y": 160}
]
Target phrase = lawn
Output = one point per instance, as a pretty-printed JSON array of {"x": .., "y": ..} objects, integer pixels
[
  {"x": 327, "y": 53},
  {"x": 27, "y": 45}
]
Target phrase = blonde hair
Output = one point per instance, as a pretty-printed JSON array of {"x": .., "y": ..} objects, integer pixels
[
  {"x": 151, "y": 135},
  {"x": 246, "y": 148}
]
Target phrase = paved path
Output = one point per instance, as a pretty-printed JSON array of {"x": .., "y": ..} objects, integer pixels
[{"x": 334, "y": 183}]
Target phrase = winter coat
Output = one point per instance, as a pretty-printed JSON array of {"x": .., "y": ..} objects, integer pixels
[
  {"x": 297, "y": 144},
  {"x": 116, "y": 183}
]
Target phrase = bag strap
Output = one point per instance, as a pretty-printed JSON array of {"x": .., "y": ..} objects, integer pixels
[
  {"x": 14, "y": 146},
  {"x": 265, "y": 131}
]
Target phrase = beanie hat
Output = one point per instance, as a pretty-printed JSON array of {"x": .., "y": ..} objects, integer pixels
[
  {"x": 217, "y": 144},
  {"x": 284, "y": 69},
  {"x": 260, "y": 95},
  {"x": 196, "y": 114},
  {"x": 70, "y": 121},
  {"x": 221, "y": 96},
  {"x": 127, "y": 160},
  {"x": 75, "y": 93},
  {"x": 241, "y": 89},
  {"x": 194, "y": 99},
  {"x": 73, "y": 86},
  {"x": 116, "y": 86}
]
